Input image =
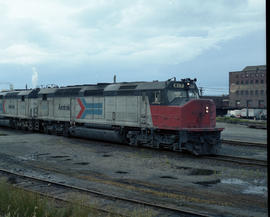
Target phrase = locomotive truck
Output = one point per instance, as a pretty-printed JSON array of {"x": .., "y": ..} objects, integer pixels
[{"x": 159, "y": 114}]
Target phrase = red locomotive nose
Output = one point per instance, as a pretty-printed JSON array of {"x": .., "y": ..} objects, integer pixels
[{"x": 200, "y": 113}]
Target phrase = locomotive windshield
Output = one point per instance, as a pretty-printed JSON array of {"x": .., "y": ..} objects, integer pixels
[{"x": 181, "y": 96}]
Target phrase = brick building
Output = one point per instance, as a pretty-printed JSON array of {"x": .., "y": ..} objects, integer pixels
[{"x": 248, "y": 88}]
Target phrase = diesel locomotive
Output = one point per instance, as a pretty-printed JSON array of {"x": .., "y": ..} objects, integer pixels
[{"x": 159, "y": 114}]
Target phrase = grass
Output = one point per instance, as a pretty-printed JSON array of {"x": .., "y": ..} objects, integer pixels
[
  {"x": 19, "y": 203},
  {"x": 15, "y": 202},
  {"x": 3, "y": 134},
  {"x": 239, "y": 120}
]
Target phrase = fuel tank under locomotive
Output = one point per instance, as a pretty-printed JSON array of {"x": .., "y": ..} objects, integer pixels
[{"x": 97, "y": 134}]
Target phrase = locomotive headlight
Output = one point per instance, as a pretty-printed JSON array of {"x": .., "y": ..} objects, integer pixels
[
  {"x": 206, "y": 109},
  {"x": 188, "y": 84}
]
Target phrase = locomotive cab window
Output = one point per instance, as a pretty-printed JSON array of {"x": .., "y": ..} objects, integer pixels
[
  {"x": 193, "y": 94},
  {"x": 44, "y": 97},
  {"x": 181, "y": 96},
  {"x": 157, "y": 97}
]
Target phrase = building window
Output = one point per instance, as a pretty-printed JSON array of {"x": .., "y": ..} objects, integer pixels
[
  {"x": 242, "y": 92},
  {"x": 257, "y": 81},
  {"x": 262, "y": 82},
  {"x": 251, "y": 75},
  {"x": 242, "y": 76},
  {"x": 237, "y": 82},
  {"x": 251, "y": 81},
  {"x": 242, "y": 82},
  {"x": 256, "y": 75},
  {"x": 251, "y": 92},
  {"x": 237, "y": 103},
  {"x": 262, "y": 92},
  {"x": 261, "y": 103},
  {"x": 237, "y": 76},
  {"x": 22, "y": 98},
  {"x": 246, "y": 81},
  {"x": 256, "y": 92},
  {"x": 237, "y": 92},
  {"x": 249, "y": 103},
  {"x": 246, "y": 92}
]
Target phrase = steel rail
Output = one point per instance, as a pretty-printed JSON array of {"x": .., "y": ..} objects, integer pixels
[
  {"x": 108, "y": 196},
  {"x": 241, "y": 143},
  {"x": 55, "y": 198},
  {"x": 239, "y": 160}
]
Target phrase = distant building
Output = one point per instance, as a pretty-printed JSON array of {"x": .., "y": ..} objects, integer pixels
[{"x": 248, "y": 88}]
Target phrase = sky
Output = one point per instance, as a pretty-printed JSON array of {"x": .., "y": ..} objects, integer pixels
[{"x": 70, "y": 42}]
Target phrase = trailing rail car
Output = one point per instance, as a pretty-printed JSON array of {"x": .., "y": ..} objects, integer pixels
[{"x": 167, "y": 114}]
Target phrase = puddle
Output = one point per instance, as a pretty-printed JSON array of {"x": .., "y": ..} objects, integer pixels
[
  {"x": 208, "y": 183},
  {"x": 233, "y": 181},
  {"x": 183, "y": 168},
  {"x": 82, "y": 163},
  {"x": 256, "y": 188},
  {"x": 106, "y": 155},
  {"x": 168, "y": 177},
  {"x": 3, "y": 134},
  {"x": 121, "y": 172},
  {"x": 202, "y": 172},
  {"x": 59, "y": 156},
  {"x": 42, "y": 154},
  {"x": 198, "y": 172},
  {"x": 29, "y": 157}
]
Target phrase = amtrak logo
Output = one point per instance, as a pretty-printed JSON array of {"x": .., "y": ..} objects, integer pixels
[{"x": 89, "y": 108}]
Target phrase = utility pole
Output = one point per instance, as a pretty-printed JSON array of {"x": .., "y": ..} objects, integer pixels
[{"x": 201, "y": 91}]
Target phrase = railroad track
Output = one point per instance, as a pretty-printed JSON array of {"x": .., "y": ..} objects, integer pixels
[
  {"x": 240, "y": 160},
  {"x": 56, "y": 191},
  {"x": 240, "y": 143}
]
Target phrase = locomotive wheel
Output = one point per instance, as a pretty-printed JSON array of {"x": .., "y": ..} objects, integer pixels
[
  {"x": 16, "y": 125},
  {"x": 12, "y": 124},
  {"x": 30, "y": 126},
  {"x": 36, "y": 126},
  {"x": 66, "y": 131},
  {"x": 45, "y": 129},
  {"x": 24, "y": 125}
]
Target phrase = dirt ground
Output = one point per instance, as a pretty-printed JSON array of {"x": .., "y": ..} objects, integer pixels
[{"x": 163, "y": 177}]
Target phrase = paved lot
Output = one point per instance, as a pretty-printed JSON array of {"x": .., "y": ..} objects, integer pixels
[{"x": 242, "y": 133}]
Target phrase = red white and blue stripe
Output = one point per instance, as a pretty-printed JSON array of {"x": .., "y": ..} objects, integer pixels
[{"x": 89, "y": 108}]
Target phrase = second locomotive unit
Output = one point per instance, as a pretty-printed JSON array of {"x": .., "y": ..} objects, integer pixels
[{"x": 167, "y": 114}]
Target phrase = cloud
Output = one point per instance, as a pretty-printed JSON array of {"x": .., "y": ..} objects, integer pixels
[
  {"x": 154, "y": 31},
  {"x": 23, "y": 54}
]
